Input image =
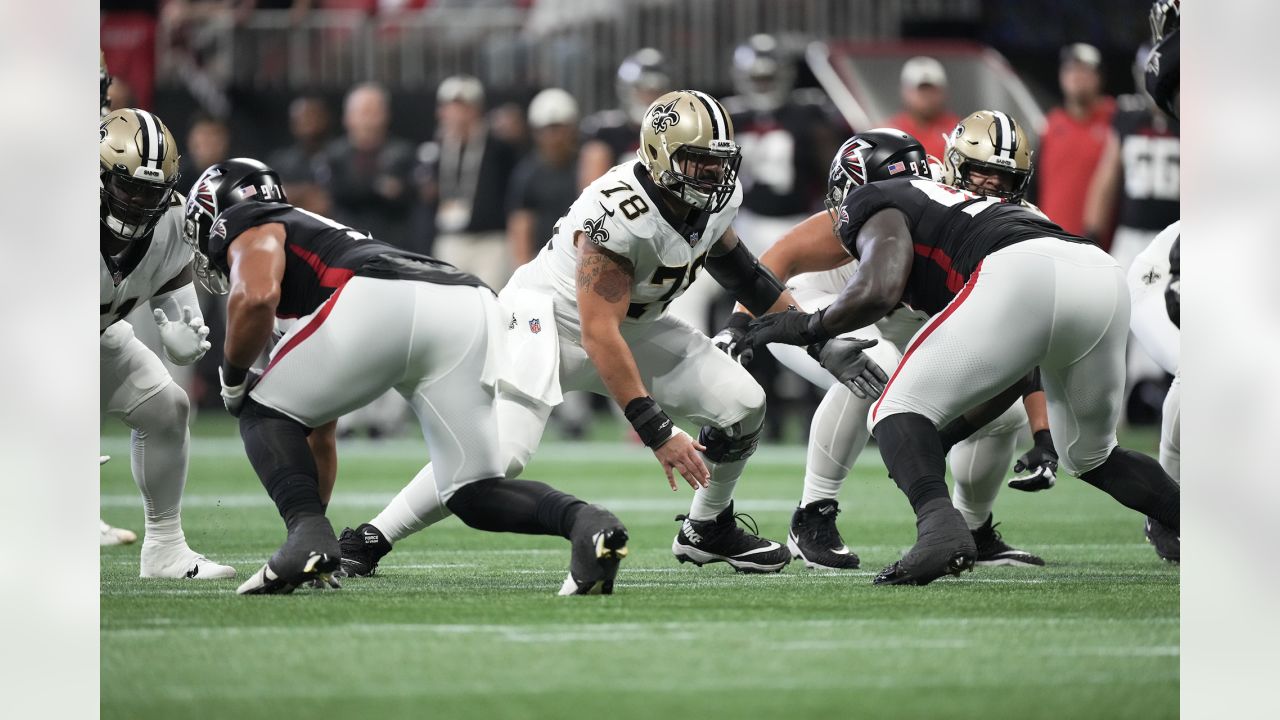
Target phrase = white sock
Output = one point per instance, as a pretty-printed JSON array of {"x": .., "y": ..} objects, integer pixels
[
  {"x": 415, "y": 507},
  {"x": 837, "y": 435},
  {"x": 978, "y": 466},
  {"x": 158, "y": 459},
  {"x": 710, "y": 501},
  {"x": 1171, "y": 431}
]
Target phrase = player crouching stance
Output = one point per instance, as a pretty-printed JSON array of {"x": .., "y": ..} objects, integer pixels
[
  {"x": 144, "y": 259},
  {"x": 371, "y": 318},
  {"x": 987, "y": 271}
]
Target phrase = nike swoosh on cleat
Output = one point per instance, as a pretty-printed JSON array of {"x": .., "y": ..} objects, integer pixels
[{"x": 771, "y": 547}]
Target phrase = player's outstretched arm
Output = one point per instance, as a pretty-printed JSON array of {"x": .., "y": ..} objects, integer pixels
[
  {"x": 810, "y": 246},
  {"x": 885, "y": 254},
  {"x": 177, "y": 314},
  {"x": 256, "y": 258},
  {"x": 604, "y": 294}
]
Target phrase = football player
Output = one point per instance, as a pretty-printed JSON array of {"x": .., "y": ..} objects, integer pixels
[
  {"x": 371, "y": 317},
  {"x": 610, "y": 136},
  {"x": 985, "y": 270},
  {"x": 839, "y": 431},
  {"x": 144, "y": 259},
  {"x": 590, "y": 313}
]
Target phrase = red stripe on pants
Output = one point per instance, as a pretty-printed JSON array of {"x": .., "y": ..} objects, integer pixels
[
  {"x": 928, "y": 330},
  {"x": 306, "y": 331}
]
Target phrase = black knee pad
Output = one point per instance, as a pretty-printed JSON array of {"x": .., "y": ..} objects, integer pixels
[{"x": 723, "y": 447}]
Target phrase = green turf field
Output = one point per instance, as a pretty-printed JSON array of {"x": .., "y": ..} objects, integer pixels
[{"x": 466, "y": 624}]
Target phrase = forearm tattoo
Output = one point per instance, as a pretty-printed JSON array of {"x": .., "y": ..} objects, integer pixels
[{"x": 606, "y": 274}]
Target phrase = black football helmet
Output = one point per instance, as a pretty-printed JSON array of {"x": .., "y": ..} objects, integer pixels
[
  {"x": 764, "y": 72},
  {"x": 219, "y": 187},
  {"x": 871, "y": 156}
]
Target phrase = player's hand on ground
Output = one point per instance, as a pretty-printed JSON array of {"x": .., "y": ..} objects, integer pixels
[
  {"x": 234, "y": 396},
  {"x": 789, "y": 327},
  {"x": 185, "y": 341},
  {"x": 730, "y": 340},
  {"x": 844, "y": 358},
  {"x": 1039, "y": 465},
  {"x": 680, "y": 453}
]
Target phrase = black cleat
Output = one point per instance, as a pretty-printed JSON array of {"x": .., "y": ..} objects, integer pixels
[
  {"x": 993, "y": 550},
  {"x": 945, "y": 547},
  {"x": 1166, "y": 542},
  {"x": 721, "y": 540},
  {"x": 362, "y": 548},
  {"x": 599, "y": 544},
  {"x": 309, "y": 556},
  {"x": 815, "y": 539}
]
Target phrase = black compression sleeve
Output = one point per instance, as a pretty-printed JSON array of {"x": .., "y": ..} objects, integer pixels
[{"x": 749, "y": 282}]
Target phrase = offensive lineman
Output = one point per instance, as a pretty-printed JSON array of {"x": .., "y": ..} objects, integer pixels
[
  {"x": 839, "y": 429},
  {"x": 371, "y": 317},
  {"x": 143, "y": 259},
  {"x": 986, "y": 270},
  {"x": 590, "y": 313}
]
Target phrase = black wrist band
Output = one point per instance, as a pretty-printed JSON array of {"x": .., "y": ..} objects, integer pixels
[
  {"x": 815, "y": 332},
  {"x": 1042, "y": 438},
  {"x": 232, "y": 375},
  {"x": 651, "y": 424}
]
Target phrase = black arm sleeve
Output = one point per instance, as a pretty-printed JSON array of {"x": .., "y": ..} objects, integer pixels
[
  {"x": 749, "y": 282},
  {"x": 1034, "y": 384}
]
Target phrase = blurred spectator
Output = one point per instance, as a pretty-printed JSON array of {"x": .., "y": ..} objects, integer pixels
[
  {"x": 297, "y": 164},
  {"x": 367, "y": 173},
  {"x": 924, "y": 104},
  {"x": 128, "y": 37},
  {"x": 469, "y": 172},
  {"x": 208, "y": 142},
  {"x": 1073, "y": 138},
  {"x": 545, "y": 182},
  {"x": 1138, "y": 172},
  {"x": 509, "y": 125},
  {"x": 613, "y": 136}
]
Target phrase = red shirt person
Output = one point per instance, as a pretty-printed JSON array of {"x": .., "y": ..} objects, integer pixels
[
  {"x": 924, "y": 104},
  {"x": 1074, "y": 137}
]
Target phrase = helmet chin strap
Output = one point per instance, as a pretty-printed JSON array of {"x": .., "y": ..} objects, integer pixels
[{"x": 121, "y": 230}]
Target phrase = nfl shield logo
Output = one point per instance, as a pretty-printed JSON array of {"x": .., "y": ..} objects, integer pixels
[{"x": 535, "y": 326}]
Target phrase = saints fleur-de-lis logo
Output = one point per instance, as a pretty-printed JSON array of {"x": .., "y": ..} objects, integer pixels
[
  {"x": 595, "y": 229},
  {"x": 664, "y": 116}
]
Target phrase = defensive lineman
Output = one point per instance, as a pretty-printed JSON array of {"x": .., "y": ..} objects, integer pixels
[
  {"x": 839, "y": 431},
  {"x": 371, "y": 318},
  {"x": 143, "y": 259},
  {"x": 986, "y": 271},
  {"x": 589, "y": 313}
]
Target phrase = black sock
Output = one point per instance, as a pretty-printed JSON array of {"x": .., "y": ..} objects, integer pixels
[
  {"x": 912, "y": 450},
  {"x": 1139, "y": 483},
  {"x": 278, "y": 450},
  {"x": 519, "y": 506}
]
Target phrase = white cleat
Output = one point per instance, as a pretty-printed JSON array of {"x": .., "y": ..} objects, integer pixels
[
  {"x": 116, "y": 536},
  {"x": 180, "y": 562}
]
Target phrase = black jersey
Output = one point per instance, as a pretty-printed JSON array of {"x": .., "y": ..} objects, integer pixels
[
  {"x": 1149, "y": 152},
  {"x": 952, "y": 231},
  {"x": 615, "y": 129},
  {"x": 785, "y": 153},
  {"x": 322, "y": 255},
  {"x": 1163, "y": 74}
]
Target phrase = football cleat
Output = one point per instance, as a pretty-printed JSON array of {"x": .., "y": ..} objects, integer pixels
[
  {"x": 309, "y": 556},
  {"x": 599, "y": 545},
  {"x": 815, "y": 539},
  {"x": 993, "y": 550},
  {"x": 115, "y": 536},
  {"x": 721, "y": 540},
  {"x": 177, "y": 561},
  {"x": 362, "y": 548},
  {"x": 1166, "y": 542},
  {"x": 944, "y": 547}
]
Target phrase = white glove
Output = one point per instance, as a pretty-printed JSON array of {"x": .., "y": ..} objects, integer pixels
[
  {"x": 184, "y": 341},
  {"x": 102, "y": 459},
  {"x": 233, "y": 396}
]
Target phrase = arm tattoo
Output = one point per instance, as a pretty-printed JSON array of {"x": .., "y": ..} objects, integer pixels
[{"x": 605, "y": 273}]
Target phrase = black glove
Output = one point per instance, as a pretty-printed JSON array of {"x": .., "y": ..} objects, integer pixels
[
  {"x": 1041, "y": 464},
  {"x": 730, "y": 339},
  {"x": 789, "y": 327},
  {"x": 844, "y": 358},
  {"x": 1173, "y": 293}
]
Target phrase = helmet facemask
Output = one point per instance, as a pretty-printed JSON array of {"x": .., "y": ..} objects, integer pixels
[
  {"x": 131, "y": 207},
  {"x": 200, "y": 211},
  {"x": 704, "y": 178},
  {"x": 1014, "y": 182}
]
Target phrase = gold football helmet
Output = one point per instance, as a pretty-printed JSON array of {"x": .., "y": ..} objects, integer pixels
[
  {"x": 138, "y": 170},
  {"x": 992, "y": 143},
  {"x": 687, "y": 145}
]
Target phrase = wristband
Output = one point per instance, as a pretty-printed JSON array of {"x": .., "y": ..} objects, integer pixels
[
  {"x": 814, "y": 331},
  {"x": 233, "y": 376},
  {"x": 651, "y": 424}
]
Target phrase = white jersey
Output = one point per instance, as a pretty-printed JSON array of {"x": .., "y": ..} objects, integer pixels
[
  {"x": 621, "y": 212},
  {"x": 1151, "y": 266},
  {"x": 163, "y": 259}
]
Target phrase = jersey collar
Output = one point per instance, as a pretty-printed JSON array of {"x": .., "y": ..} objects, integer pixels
[{"x": 690, "y": 231}]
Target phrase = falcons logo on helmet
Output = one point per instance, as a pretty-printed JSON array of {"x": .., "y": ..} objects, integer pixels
[{"x": 852, "y": 162}]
